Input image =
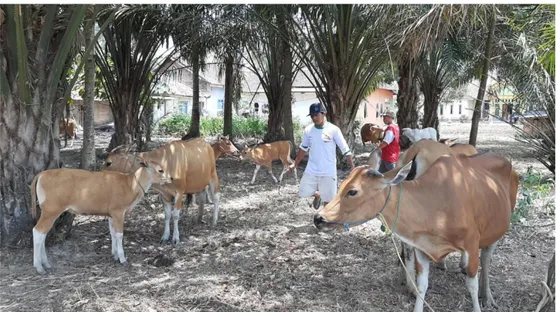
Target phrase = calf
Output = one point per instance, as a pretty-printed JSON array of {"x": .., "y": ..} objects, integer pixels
[
  {"x": 415, "y": 135},
  {"x": 264, "y": 154},
  {"x": 192, "y": 165},
  {"x": 111, "y": 194},
  {"x": 71, "y": 129}
]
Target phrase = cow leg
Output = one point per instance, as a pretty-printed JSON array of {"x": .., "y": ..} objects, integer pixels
[
  {"x": 463, "y": 262},
  {"x": 282, "y": 174},
  {"x": 40, "y": 230},
  {"x": 113, "y": 236},
  {"x": 422, "y": 268},
  {"x": 441, "y": 264},
  {"x": 201, "y": 206},
  {"x": 471, "y": 280},
  {"x": 177, "y": 207},
  {"x": 484, "y": 285},
  {"x": 118, "y": 225},
  {"x": 167, "y": 215},
  {"x": 257, "y": 168},
  {"x": 269, "y": 169},
  {"x": 214, "y": 187}
]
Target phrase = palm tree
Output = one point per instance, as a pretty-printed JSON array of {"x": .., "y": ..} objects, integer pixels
[
  {"x": 37, "y": 51},
  {"x": 270, "y": 58},
  {"x": 193, "y": 34},
  {"x": 131, "y": 66},
  {"x": 342, "y": 49}
]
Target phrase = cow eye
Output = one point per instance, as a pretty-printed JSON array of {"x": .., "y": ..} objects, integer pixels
[
  {"x": 161, "y": 171},
  {"x": 352, "y": 192},
  {"x": 108, "y": 164}
]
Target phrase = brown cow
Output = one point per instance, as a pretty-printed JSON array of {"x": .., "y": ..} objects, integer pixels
[
  {"x": 368, "y": 135},
  {"x": 264, "y": 154},
  {"x": 72, "y": 129},
  {"x": 460, "y": 204},
  {"x": 192, "y": 166},
  {"x": 223, "y": 146}
]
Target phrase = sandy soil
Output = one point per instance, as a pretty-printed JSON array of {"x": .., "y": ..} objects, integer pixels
[{"x": 265, "y": 255}]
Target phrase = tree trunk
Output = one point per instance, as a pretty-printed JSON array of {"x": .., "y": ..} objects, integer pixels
[
  {"x": 287, "y": 70},
  {"x": 194, "y": 130},
  {"x": 228, "y": 95},
  {"x": 275, "y": 119},
  {"x": 148, "y": 121},
  {"x": 430, "y": 118},
  {"x": 482, "y": 86},
  {"x": 124, "y": 130},
  {"x": 21, "y": 158},
  {"x": 546, "y": 304},
  {"x": 88, "y": 156},
  {"x": 408, "y": 97}
]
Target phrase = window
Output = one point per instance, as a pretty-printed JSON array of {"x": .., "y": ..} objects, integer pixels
[
  {"x": 365, "y": 111},
  {"x": 452, "y": 109},
  {"x": 184, "y": 107},
  {"x": 460, "y": 109},
  {"x": 220, "y": 105},
  {"x": 441, "y": 109}
]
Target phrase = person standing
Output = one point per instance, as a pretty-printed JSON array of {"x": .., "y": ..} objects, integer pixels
[
  {"x": 390, "y": 145},
  {"x": 320, "y": 176}
]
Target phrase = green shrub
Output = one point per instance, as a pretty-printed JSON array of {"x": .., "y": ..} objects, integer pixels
[
  {"x": 177, "y": 125},
  {"x": 533, "y": 187}
]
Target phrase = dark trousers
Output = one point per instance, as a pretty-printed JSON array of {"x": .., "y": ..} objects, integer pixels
[{"x": 386, "y": 166}]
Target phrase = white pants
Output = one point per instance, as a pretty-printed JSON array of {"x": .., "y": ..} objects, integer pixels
[{"x": 327, "y": 187}]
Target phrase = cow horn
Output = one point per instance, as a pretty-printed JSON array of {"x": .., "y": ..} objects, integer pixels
[{"x": 118, "y": 148}]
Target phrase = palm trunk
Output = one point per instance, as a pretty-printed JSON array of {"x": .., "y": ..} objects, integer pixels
[
  {"x": 287, "y": 66},
  {"x": 482, "y": 86},
  {"x": 194, "y": 130},
  {"x": 21, "y": 157},
  {"x": 432, "y": 100},
  {"x": 148, "y": 121},
  {"x": 275, "y": 119},
  {"x": 228, "y": 95},
  {"x": 408, "y": 96},
  {"x": 88, "y": 158}
]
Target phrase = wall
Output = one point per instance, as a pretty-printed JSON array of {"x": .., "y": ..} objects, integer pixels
[
  {"x": 212, "y": 102},
  {"x": 451, "y": 111},
  {"x": 375, "y": 103},
  {"x": 102, "y": 111}
]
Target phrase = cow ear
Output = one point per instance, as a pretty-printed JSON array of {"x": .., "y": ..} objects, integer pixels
[
  {"x": 402, "y": 174},
  {"x": 144, "y": 164}
]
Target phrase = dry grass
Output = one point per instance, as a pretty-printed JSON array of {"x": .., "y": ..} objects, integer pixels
[{"x": 264, "y": 255}]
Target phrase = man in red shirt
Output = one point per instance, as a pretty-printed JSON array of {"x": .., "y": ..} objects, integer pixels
[{"x": 390, "y": 145}]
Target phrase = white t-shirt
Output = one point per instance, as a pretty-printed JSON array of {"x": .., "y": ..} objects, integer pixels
[{"x": 322, "y": 143}]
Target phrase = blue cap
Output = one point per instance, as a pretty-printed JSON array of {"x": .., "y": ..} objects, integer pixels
[{"x": 316, "y": 108}]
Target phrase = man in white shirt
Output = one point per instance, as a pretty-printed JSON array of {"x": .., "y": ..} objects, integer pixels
[{"x": 320, "y": 176}]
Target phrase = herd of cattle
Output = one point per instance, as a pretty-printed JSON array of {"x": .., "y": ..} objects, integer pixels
[{"x": 441, "y": 198}]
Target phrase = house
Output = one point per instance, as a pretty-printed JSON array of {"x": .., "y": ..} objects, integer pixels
[
  {"x": 102, "y": 112},
  {"x": 303, "y": 95}
]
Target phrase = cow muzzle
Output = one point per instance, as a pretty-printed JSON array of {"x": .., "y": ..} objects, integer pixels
[{"x": 319, "y": 221}]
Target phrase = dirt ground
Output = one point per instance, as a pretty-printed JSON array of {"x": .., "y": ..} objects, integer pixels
[{"x": 265, "y": 255}]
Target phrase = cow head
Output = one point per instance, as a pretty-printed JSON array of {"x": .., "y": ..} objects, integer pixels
[
  {"x": 226, "y": 145},
  {"x": 156, "y": 172},
  {"x": 119, "y": 159},
  {"x": 361, "y": 196}
]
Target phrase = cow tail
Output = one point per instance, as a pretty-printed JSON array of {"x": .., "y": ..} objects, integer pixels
[
  {"x": 290, "y": 151},
  {"x": 34, "y": 196}
]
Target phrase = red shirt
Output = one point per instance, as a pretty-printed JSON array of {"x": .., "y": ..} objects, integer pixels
[{"x": 391, "y": 152}]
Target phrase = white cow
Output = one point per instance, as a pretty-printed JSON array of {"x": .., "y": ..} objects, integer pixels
[{"x": 415, "y": 135}]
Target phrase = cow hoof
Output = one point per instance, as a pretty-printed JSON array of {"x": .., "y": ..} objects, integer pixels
[
  {"x": 125, "y": 264},
  {"x": 165, "y": 241},
  {"x": 442, "y": 266},
  {"x": 41, "y": 271},
  {"x": 489, "y": 303},
  {"x": 175, "y": 242}
]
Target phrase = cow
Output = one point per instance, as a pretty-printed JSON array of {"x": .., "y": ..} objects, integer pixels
[
  {"x": 369, "y": 135},
  {"x": 223, "y": 146},
  {"x": 71, "y": 129},
  {"x": 192, "y": 165},
  {"x": 460, "y": 204},
  {"x": 415, "y": 135},
  {"x": 111, "y": 194},
  {"x": 264, "y": 154}
]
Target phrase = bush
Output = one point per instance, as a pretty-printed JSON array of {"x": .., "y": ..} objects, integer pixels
[
  {"x": 533, "y": 187},
  {"x": 177, "y": 125},
  {"x": 463, "y": 118}
]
